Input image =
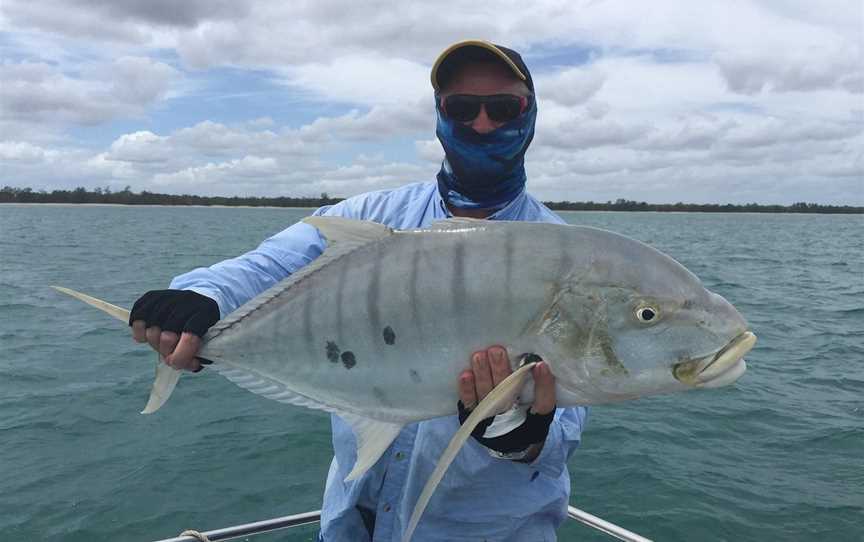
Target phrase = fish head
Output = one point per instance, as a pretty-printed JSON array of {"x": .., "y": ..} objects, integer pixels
[{"x": 642, "y": 324}]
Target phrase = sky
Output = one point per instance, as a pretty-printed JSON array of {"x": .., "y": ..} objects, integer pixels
[{"x": 733, "y": 101}]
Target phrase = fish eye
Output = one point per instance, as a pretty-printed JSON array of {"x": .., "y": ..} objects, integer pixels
[{"x": 646, "y": 314}]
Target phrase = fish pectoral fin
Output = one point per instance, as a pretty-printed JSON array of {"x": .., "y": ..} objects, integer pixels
[
  {"x": 163, "y": 385},
  {"x": 373, "y": 438},
  {"x": 499, "y": 399}
]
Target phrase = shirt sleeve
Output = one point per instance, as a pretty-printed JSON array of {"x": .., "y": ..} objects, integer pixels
[
  {"x": 565, "y": 435},
  {"x": 231, "y": 283}
]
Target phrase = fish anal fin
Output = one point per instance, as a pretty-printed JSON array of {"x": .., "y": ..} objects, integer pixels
[
  {"x": 498, "y": 400},
  {"x": 373, "y": 438}
]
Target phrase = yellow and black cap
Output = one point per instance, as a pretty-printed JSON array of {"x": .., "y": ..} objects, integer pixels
[{"x": 477, "y": 51}]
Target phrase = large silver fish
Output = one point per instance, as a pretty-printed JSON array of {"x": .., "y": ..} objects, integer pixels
[{"x": 378, "y": 328}]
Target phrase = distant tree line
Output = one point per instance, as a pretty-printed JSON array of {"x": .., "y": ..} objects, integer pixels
[
  {"x": 9, "y": 194},
  {"x": 628, "y": 205}
]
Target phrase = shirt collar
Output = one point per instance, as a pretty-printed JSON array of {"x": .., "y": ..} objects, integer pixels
[{"x": 508, "y": 212}]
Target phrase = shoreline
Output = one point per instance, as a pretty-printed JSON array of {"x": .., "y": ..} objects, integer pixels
[{"x": 785, "y": 211}]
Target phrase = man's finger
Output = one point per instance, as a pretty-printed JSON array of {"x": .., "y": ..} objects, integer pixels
[
  {"x": 184, "y": 353},
  {"x": 167, "y": 342},
  {"x": 544, "y": 389},
  {"x": 153, "y": 333},
  {"x": 500, "y": 364},
  {"x": 482, "y": 374},
  {"x": 467, "y": 394},
  {"x": 139, "y": 331}
]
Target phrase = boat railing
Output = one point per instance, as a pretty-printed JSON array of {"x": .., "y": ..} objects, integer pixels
[{"x": 286, "y": 522}]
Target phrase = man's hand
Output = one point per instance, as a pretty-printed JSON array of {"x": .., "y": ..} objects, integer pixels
[
  {"x": 488, "y": 369},
  {"x": 173, "y": 322}
]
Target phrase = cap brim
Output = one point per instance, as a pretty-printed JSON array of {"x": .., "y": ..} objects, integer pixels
[{"x": 473, "y": 43}]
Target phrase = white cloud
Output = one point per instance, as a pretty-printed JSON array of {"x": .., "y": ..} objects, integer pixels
[
  {"x": 367, "y": 79},
  {"x": 21, "y": 151},
  {"x": 379, "y": 123},
  {"x": 139, "y": 147},
  {"x": 429, "y": 150}
]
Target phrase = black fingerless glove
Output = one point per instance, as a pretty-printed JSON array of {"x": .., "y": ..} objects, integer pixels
[
  {"x": 533, "y": 430},
  {"x": 176, "y": 310}
]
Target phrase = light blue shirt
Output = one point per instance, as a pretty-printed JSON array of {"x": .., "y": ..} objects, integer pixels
[{"x": 480, "y": 497}]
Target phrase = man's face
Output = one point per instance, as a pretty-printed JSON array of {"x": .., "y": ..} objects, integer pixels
[{"x": 484, "y": 79}]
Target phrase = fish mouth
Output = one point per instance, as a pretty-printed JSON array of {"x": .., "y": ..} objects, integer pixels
[{"x": 725, "y": 365}]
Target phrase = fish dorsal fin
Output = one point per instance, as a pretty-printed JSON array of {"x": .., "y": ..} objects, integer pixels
[
  {"x": 498, "y": 400},
  {"x": 344, "y": 235},
  {"x": 340, "y": 231},
  {"x": 457, "y": 223},
  {"x": 373, "y": 438}
]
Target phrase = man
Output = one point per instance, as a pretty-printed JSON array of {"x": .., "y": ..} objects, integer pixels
[{"x": 507, "y": 483}]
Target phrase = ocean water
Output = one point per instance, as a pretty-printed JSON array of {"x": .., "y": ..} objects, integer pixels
[{"x": 777, "y": 456}]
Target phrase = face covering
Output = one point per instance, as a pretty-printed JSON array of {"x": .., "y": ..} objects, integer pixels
[{"x": 484, "y": 171}]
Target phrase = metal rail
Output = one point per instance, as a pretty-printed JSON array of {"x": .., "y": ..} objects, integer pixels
[
  {"x": 607, "y": 527},
  {"x": 285, "y": 522}
]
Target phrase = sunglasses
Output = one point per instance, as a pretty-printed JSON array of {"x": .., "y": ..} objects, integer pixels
[{"x": 499, "y": 107}]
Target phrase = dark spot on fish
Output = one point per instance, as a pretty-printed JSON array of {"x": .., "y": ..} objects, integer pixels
[
  {"x": 389, "y": 335},
  {"x": 348, "y": 359},
  {"x": 415, "y": 376},
  {"x": 381, "y": 396},
  {"x": 332, "y": 352}
]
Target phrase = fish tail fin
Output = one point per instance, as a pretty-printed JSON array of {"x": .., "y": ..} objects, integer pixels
[
  {"x": 166, "y": 376},
  {"x": 163, "y": 385},
  {"x": 113, "y": 310}
]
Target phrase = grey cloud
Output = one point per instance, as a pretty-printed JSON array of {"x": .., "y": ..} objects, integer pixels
[
  {"x": 39, "y": 92},
  {"x": 772, "y": 131},
  {"x": 692, "y": 132},
  {"x": 571, "y": 87},
  {"x": 186, "y": 13},
  {"x": 806, "y": 71},
  {"x": 118, "y": 20},
  {"x": 587, "y": 132}
]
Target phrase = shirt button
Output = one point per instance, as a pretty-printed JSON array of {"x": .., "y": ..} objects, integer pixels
[
  {"x": 386, "y": 507},
  {"x": 400, "y": 456}
]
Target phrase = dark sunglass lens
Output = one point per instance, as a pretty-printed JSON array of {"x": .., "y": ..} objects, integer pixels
[
  {"x": 461, "y": 108},
  {"x": 504, "y": 108}
]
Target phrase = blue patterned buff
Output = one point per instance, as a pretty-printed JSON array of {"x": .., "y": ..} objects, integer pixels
[{"x": 483, "y": 171}]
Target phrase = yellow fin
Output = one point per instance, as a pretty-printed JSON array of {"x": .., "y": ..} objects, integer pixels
[{"x": 498, "y": 400}]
